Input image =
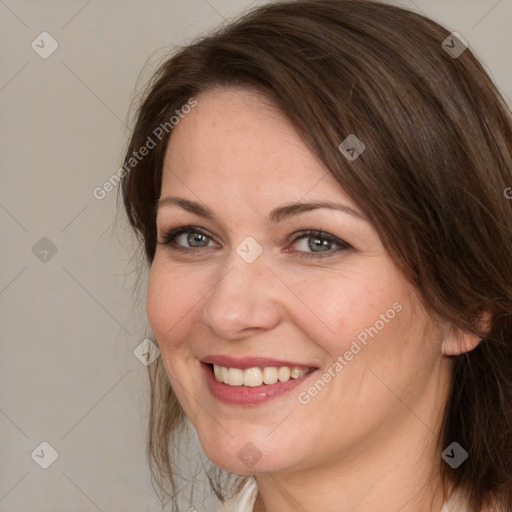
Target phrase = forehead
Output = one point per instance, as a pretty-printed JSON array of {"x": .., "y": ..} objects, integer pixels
[{"x": 237, "y": 141}]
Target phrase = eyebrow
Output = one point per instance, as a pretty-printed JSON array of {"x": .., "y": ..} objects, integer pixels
[{"x": 277, "y": 215}]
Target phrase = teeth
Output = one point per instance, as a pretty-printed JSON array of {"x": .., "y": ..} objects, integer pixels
[
  {"x": 256, "y": 376},
  {"x": 295, "y": 373},
  {"x": 270, "y": 375},
  {"x": 284, "y": 373},
  {"x": 252, "y": 377},
  {"x": 235, "y": 377}
]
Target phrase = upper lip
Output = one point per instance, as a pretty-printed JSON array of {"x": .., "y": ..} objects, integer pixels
[{"x": 250, "y": 362}]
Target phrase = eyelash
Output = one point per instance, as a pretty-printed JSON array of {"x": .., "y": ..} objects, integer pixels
[{"x": 169, "y": 236}]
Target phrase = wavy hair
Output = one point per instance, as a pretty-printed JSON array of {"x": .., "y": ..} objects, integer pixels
[{"x": 432, "y": 180}]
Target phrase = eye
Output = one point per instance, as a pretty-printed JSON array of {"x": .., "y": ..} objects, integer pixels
[
  {"x": 316, "y": 244},
  {"x": 186, "y": 238},
  {"x": 310, "y": 243}
]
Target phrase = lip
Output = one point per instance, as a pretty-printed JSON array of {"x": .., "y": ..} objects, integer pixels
[
  {"x": 250, "y": 362},
  {"x": 245, "y": 395}
]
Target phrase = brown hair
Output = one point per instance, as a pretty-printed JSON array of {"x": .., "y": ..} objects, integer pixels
[{"x": 432, "y": 180}]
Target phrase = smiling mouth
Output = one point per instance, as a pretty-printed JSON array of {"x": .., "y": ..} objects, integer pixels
[
  {"x": 257, "y": 376},
  {"x": 257, "y": 391}
]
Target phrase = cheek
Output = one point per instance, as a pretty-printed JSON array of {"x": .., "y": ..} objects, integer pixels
[
  {"x": 158, "y": 301},
  {"x": 341, "y": 312},
  {"x": 336, "y": 306},
  {"x": 171, "y": 296}
]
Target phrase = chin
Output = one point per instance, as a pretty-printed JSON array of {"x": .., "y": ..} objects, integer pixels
[{"x": 244, "y": 458}]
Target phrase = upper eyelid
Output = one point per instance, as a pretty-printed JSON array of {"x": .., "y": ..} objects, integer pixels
[
  {"x": 293, "y": 217},
  {"x": 180, "y": 230},
  {"x": 301, "y": 233}
]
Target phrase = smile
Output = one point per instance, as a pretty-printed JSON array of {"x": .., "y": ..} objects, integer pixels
[
  {"x": 262, "y": 384},
  {"x": 253, "y": 377}
]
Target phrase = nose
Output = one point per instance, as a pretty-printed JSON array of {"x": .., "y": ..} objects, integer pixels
[{"x": 244, "y": 301}]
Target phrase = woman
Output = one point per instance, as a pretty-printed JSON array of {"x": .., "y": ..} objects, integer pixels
[{"x": 320, "y": 191}]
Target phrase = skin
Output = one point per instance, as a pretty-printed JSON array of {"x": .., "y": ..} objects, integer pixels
[{"x": 368, "y": 439}]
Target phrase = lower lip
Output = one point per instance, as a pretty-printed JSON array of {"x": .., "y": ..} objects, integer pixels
[{"x": 245, "y": 395}]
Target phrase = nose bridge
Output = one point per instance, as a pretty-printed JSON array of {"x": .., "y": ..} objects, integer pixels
[{"x": 243, "y": 296}]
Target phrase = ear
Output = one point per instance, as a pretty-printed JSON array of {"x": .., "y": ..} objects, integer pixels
[{"x": 456, "y": 341}]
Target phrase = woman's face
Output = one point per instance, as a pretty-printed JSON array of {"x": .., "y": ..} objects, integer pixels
[{"x": 246, "y": 282}]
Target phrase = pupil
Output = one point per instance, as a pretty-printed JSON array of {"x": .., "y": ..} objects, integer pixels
[
  {"x": 318, "y": 243},
  {"x": 197, "y": 237}
]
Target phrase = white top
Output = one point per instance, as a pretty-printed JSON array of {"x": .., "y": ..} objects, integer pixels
[{"x": 244, "y": 500}]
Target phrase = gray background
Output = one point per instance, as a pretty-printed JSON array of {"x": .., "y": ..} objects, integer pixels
[{"x": 70, "y": 321}]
